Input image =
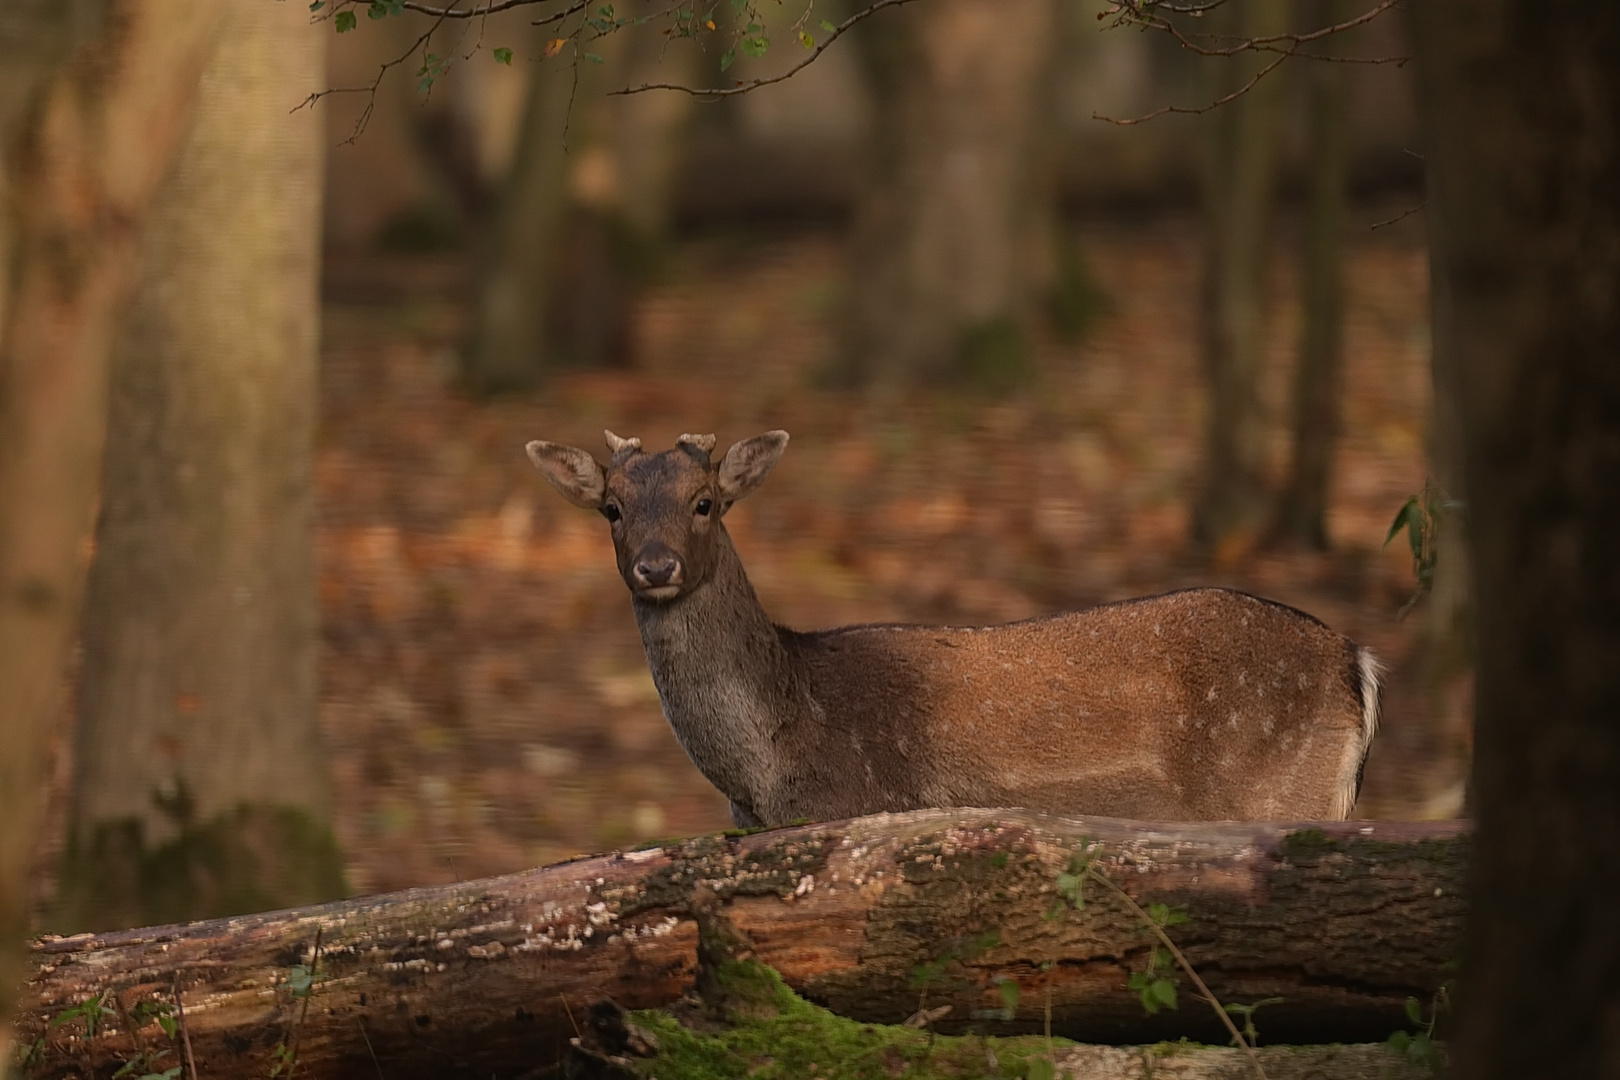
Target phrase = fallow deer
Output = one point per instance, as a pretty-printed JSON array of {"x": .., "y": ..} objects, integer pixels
[{"x": 1203, "y": 704}]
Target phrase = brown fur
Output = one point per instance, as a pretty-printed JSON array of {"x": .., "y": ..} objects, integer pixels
[{"x": 1201, "y": 704}]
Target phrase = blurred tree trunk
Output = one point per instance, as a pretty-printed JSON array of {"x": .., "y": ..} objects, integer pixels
[
  {"x": 954, "y": 233},
  {"x": 1239, "y": 175},
  {"x": 1319, "y": 376},
  {"x": 583, "y": 216},
  {"x": 200, "y": 784},
  {"x": 519, "y": 253},
  {"x": 1521, "y": 105},
  {"x": 97, "y": 97}
]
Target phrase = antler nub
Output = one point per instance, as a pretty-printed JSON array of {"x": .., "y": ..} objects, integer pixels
[
  {"x": 704, "y": 443},
  {"x": 617, "y": 445}
]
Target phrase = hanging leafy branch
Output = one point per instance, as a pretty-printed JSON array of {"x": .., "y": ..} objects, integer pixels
[{"x": 721, "y": 27}]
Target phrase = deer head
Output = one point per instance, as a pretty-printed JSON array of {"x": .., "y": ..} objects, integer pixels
[{"x": 664, "y": 509}]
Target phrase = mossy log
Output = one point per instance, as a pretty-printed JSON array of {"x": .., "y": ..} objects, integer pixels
[{"x": 873, "y": 918}]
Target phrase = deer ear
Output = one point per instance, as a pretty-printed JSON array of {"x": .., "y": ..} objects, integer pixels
[
  {"x": 747, "y": 463},
  {"x": 571, "y": 471}
]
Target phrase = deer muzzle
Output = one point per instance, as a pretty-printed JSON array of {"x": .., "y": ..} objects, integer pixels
[{"x": 658, "y": 572}]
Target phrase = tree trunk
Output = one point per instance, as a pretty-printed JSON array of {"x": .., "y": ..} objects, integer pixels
[
  {"x": 200, "y": 785},
  {"x": 1521, "y": 104},
  {"x": 83, "y": 154},
  {"x": 953, "y": 246},
  {"x": 519, "y": 259},
  {"x": 1344, "y": 921},
  {"x": 1319, "y": 376},
  {"x": 1239, "y": 174}
]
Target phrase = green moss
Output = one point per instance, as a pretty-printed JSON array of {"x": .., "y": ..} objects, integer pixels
[
  {"x": 253, "y": 858},
  {"x": 1315, "y": 844},
  {"x": 777, "y": 1034},
  {"x": 994, "y": 356},
  {"x": 1309, "y": 844}
]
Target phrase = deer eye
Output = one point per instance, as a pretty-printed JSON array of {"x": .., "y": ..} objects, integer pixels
[
  {"x": 703, "y": 507},
  {"x": 611, "y": 512}
]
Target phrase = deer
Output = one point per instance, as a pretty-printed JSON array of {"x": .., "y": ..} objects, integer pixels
[{"x": 1201, "y": 704}]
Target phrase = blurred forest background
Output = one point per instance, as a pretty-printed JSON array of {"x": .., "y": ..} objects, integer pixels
[{"x": 339, "y": 637}]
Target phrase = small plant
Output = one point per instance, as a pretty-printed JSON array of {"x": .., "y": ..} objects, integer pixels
[
  {"x": 1420, "y": 516},
  {"x": 300, "y": 982},
  {"x": 1421, "y": 1046},
  {"x": 1156, "y": 984},
  {"x": 1247, "y": 1013}
]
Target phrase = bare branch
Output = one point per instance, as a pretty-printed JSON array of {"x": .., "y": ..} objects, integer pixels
[
  {"x": 743, "y": 87},
  {"x": 1195, "y": 110},
  {"x": 1131, "y": 13},
  {"x": 1402, "y": 216},
  {"x": 1283, "y": 46},
  {"x": 481, "y": 10}
]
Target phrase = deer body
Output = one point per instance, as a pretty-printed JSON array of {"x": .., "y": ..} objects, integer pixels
[{"x": 1196, "y": 705}]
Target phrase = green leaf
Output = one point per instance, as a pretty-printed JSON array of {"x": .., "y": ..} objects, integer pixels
[
  {"x": 1158, "y": 913},
  {"x": 1399, "y": 1041},
  {"x": 377, "y": 10},
  {"x": 726, "y": 58},
  {"x": 593, "y": 58},
  {"x": 503, "y": 56},
  {"x": 316, "y": 5},
  {"x": 806, "y": 40},
  {"x": 755, "y": 46},
  {"x": 1041, "y": 1069},
  {"x": 1403, "y": 518},
  {"x": 1009, "y": 996},
  {"x": 1414, "y": 1011},
  {"x": 344, "y": 21},
  {"x": 299, "y": 978},
  {"x": 826, "y": 24},
  {"x": 1164, "y": 992}
]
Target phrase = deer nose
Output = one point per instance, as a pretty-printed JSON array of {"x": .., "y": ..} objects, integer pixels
[{"x": 657, "y": 567}]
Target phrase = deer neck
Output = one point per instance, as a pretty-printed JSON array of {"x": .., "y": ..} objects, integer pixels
[{"x": 723, "y": 677}]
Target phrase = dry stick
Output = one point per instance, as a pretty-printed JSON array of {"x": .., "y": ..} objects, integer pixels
[
  {"x": 360, "y": 1022},
  {"x": 1181, "y": 958},
  {"x": 185, "y": 1032},
  {"x": 1131, "y": 15},
  {"x": 298, "y": 1032},
  {"x": 1402, "y": 216}
]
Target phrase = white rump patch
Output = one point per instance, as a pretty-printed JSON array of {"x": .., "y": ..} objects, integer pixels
[{"x": 1372, "y": 675}]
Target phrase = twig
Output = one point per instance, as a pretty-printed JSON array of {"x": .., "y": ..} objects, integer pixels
[
  {"x": 1186, "y": 966},
  {"x": 754, "y": 84},
  {"x": 1402, "y": 216},
  {"x": 298, "y": 1032},
  {"x": 362, "y": 1025},
  {"x": 185, "y": 1032},
  {"x": 1130, "y": 13},
  {"x": 1217, "y": 103}
]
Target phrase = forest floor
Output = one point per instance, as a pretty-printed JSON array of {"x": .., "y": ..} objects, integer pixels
[{"x": 486, "y": 700}]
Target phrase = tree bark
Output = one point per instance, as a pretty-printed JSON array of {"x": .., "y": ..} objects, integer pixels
[
  {"x": 954, "y": 233},
  {"x": 200, "y": 784},
  {"x": 1521, "y": 104},
  {"x": 83, "y": 154},
  {"x": 1239, "y": 175},
  {"x": 1344, "y": 921},
  {"x": 1319, "y": 375}
]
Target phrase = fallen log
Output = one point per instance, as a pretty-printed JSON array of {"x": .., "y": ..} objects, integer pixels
[{"x": 875, "y": 918}]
